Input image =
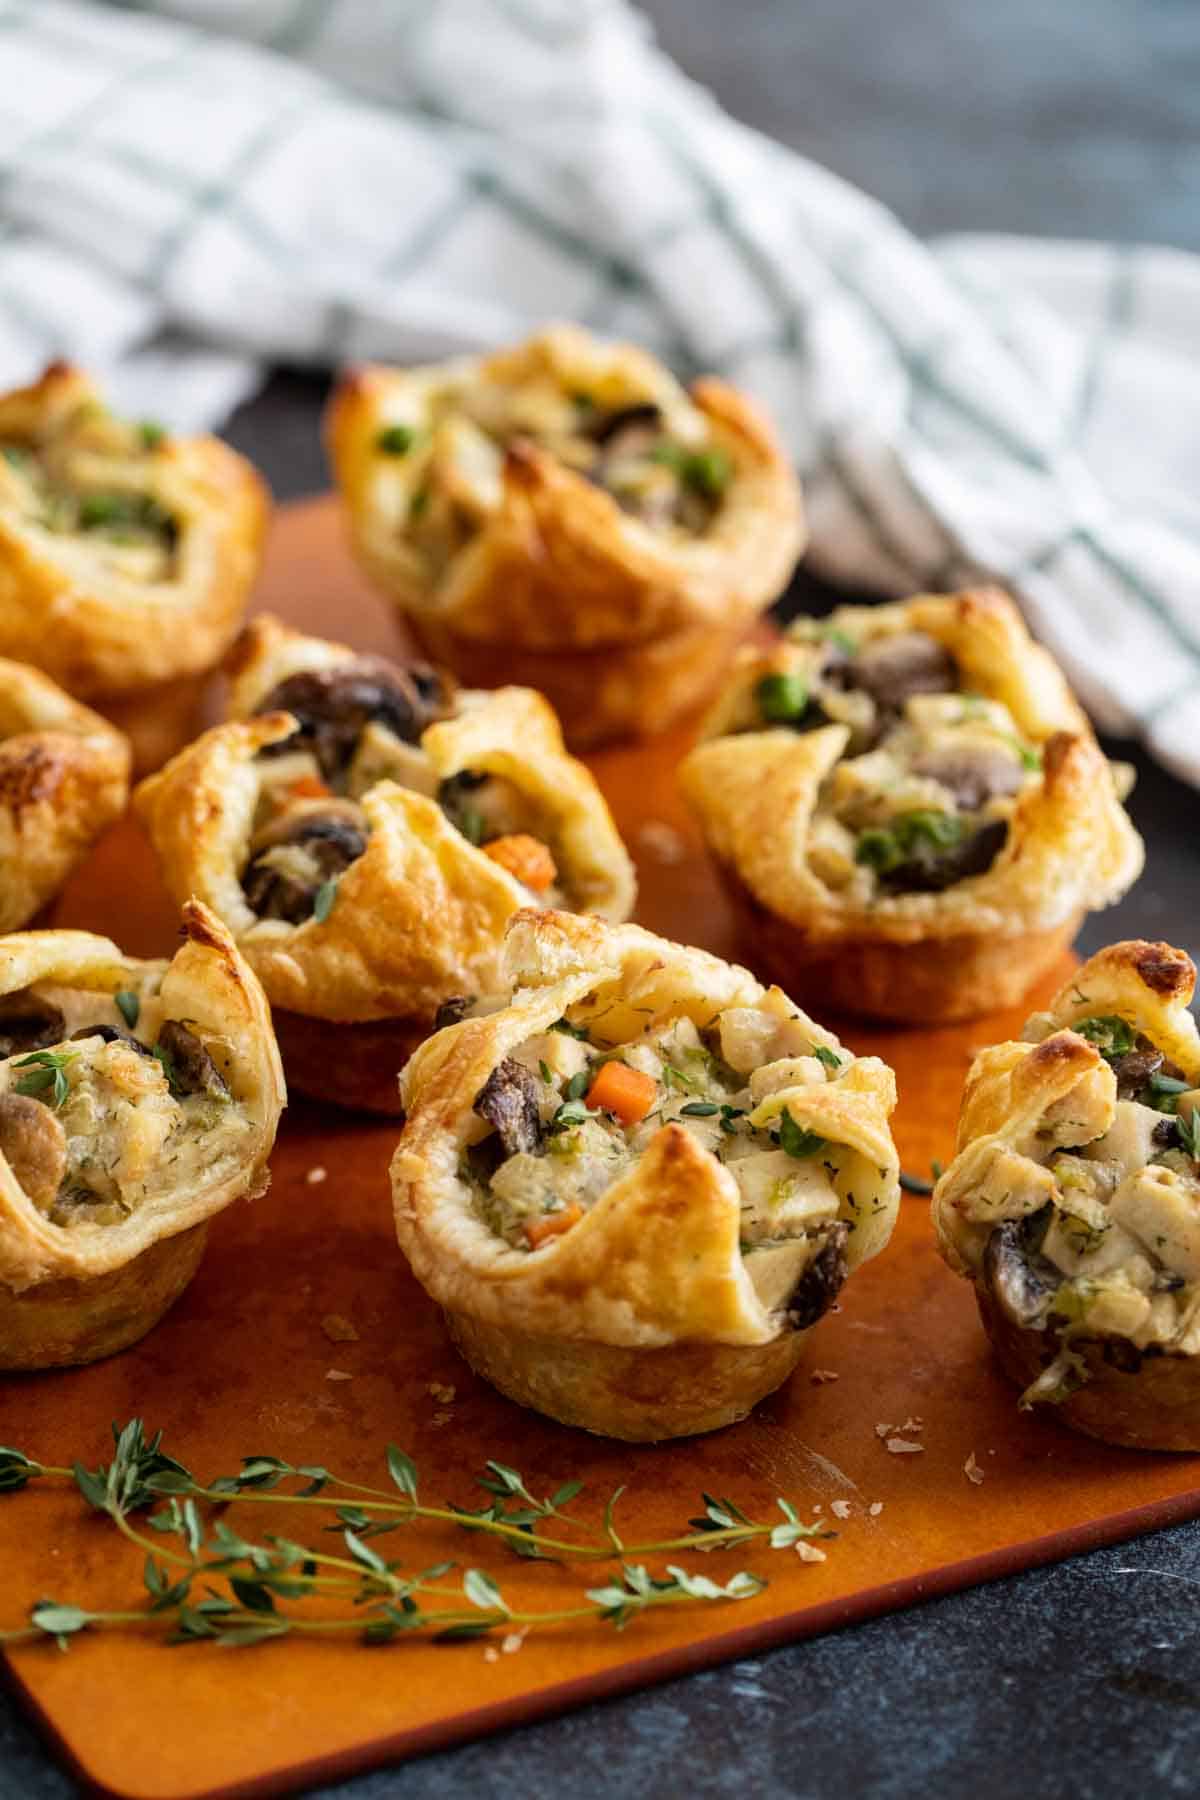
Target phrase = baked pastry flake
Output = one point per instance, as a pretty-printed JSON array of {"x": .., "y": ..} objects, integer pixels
[
  {"x": 909, "y": 807},
  {"x": 565, "y": 515},
  {"x": 636, "y": 1186},
  {"x": 126, "y": 554},
  {"x": 137, "y": 1100},
  {"x": 1073, "y": 1202},
  {"x": 368, "y": 844},
  {"x": 64, "y": 777}
]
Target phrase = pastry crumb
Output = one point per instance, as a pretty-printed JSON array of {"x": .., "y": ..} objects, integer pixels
[
  {"x": 809, "y": 1552},
  {"x": 439, "y": 1390},
  {"x": 441, "y": 1418},
  {"x": 512, "y": 1642},
  {"x": 822, "y": 1375},
  {"x": 902, "y": 1447},
  {"x": 338, "y": 1330},
  {"x": 338, "y": 1375},
  {"x": 917, "y": 1424},
  {"x": 882, "y": 1431},
  {"x": 875, "y": 1508},
  {"x": 972, "y": 1470},
  {"x": 818, "y": 1507},
  {"x": 840, "y": 1509},
  {"x": 662, "y": 843},
  {"x": 316, "y": 1176},
  {"x": 490, "y": 1653}
]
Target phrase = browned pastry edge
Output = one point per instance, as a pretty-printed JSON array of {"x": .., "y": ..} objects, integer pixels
[
  {"x": 160, "y": 720},
  {"x": 1155, "y": 1408},
  {"x": 354, "y": 1064},
  {"x": 924, "y": 983},
  {"x": 636, "y": 1394},
  {"x": 599, "y": 695},
  {"x": 58, "y": 1324}
]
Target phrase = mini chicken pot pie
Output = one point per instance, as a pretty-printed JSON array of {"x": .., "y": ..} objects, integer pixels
[
  {"x": 566, "y": 515},
  {"x": 635, "y": 1187},
  {"x": 64, "y": 777},
  {"x": 137, "y": 1100},
  {"x": 125, "y": 555},
  {"x": 909, "y": 807},
  {"x": 1073, "y": 1202},
  {"x": 366, "y": 830}
]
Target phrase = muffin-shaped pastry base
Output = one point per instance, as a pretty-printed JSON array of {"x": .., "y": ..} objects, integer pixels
[
  {"x": 601, "y": 695},
  {"x": 61, "y": 1324},
  {"x": 641, "y": 1396},
  {"x": 1153, "y": 1407},
  {"x": 934, "y": 982},
  {"x": 158, "y": 721},
  {"x": 355, "y": 1064}
]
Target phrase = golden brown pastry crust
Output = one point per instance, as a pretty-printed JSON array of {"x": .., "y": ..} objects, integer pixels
[
  {"x": 1012, "y": 1090},
  {"x": 420, "y": 915},
  {"x": 64, "y": 777},
  {"x": 98, "y": 630},
  {"x": 556, "y": 569},
  {"x": 71, "y": 1293},
  {"x": 920, "y": 957},
  {"x": 641, "y": 1321}
]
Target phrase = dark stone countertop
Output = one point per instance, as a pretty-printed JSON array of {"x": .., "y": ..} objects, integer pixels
[{"x": 1083, "y": 1679}]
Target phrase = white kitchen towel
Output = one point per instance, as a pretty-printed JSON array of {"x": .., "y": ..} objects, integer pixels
[{"x": 192, "y": 188}]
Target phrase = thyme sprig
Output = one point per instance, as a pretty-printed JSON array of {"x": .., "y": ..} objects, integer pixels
[{"x": 205, "y": 1581}]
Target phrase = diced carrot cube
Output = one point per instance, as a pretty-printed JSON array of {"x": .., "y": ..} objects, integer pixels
[
  {"x": 552, "y": 1225},
  {"x": 625, "y": 1092},
  {"x": 525, "y": 857}
]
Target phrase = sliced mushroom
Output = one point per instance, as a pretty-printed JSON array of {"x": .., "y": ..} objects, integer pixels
[
  {"x": 974, "y": 773},
  {"x": 189, "y": 1065},
  {"x": 112, "y": 1034},
  {"x": 334, "y": 707},
  {"x": 892, "y": 669},
  {"x": 28, "y": 1022},
  {"x": 1023, "y": 1282},
  {"x": 508, "y": 1100},
  {"x": 35, "y": 1146},
  {"x": 323, "y": 843},
  {"x": 822, "y": 1281},
  {"x": 931, "y": 867},
  {"x": 614, "y": 425},
  {"x": 453, "y": 1009}
]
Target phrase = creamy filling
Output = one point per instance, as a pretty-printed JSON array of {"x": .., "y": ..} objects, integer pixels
[
  {"x": 66, "y": 486},
  {"x": 125, "y": 1106},
  {"x": 669, "y": 473},
  {"x": 361, "y": 723},
  {"x": 923, "y": 796},
  {"x": 1092, "y": 1231},
  {"x": 564, "y": 1118}
]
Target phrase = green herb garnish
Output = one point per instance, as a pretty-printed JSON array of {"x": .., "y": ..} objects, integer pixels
[
  {"x": 324, "y": 898},
  {"x": 1112, "y": 1036},
  {"x": 1187, "y": 1126},
  {"x": 830, "y": 1058},
  {"x": 544, "y": 1072},
  {"x": 128, "y": 1005},
  {"x": 1162, "y": 1092},
  {"x": 782, "y": 699},
  {"x": 568, "y": 1030},
  {"x": 578, "y": 1085},
  {"x": 796, "y": 1140},
  {"x": 706, "y": 472},
  {"x": 204, "y": 1581},
  {"x": 419, "y": 503},
  {"x": 699, "y": 1109},
  {"x": 151, "y": 433},
  {"x": 396, "y": 440},
  {"x": 47, "y": 1079}
]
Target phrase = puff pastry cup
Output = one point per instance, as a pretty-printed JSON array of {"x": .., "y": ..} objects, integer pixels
[
  {"x": 1073, "y": 1202},
  {"x": 137, "y": 1100},
  {"x": 910, "y": 810},
  {"x": 366, "y": 830},
  {"x": 64, "y": 777},
  {"x": 126, "y": 555},
  {"x": 635, "y": 1187},
  {"x": 565, "y": 515}
]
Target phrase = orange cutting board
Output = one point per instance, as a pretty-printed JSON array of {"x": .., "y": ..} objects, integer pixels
[{"x": 242, "y": 1365}]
